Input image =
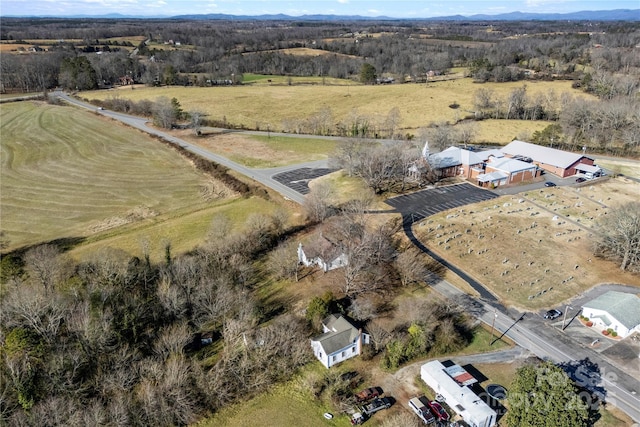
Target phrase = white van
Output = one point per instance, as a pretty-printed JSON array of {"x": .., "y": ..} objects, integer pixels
[{"x": 418, "y": 405}]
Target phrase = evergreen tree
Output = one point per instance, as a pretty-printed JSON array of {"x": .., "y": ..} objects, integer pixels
[
  {"x": 368, "y": 73},
  {"x": 544, "y": 395}
]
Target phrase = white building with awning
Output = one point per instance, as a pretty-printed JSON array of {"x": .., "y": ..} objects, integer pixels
[{"x": 589, "y": 171}]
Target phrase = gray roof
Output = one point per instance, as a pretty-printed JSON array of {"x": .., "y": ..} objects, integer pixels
[
  {"x": 492, "y": 152},
  {"x": 624, "y": 307},
  {"x": 454, "y": 156},
  {"x": 511, "y": 165},
  {"x": 341, "y": 334},
  {"x": 493, "y": 176},
  {"x": 538, "y": 153}
]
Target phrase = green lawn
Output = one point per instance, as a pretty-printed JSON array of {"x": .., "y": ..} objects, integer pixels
[
  {"x": 285, "y": 405},
  {"x": 68, "y": 173}
]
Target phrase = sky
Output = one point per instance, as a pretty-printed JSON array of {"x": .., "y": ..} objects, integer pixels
[{"x": 370, "y": 8}]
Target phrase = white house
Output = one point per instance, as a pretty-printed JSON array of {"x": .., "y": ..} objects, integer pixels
[
  {"x": 327, "y": 258},
  {"x": 339, "y": 342},
  {"x": 453, "y": 384},
  {"x": 619, "y": 311}
]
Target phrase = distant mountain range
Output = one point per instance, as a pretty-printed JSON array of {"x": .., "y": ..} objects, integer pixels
[{"x": 586, "y": 15}]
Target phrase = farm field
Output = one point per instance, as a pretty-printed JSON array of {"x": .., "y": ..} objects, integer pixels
[
  {"x": 185, "y": 229},
  {"x": 67, "y": 173},
  {"x": 512, "y": 244},
  {"x": 257, "y": 151},
  {"x": 620, "y": 166},
  {"x": 502, "y": 132},
  {"x": 420, "y": 105}
]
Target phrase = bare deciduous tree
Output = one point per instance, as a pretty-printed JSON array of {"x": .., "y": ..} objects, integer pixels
[
  {"x": 620, "y": 236},
  {"x": 283, "y": 261},
  {"x": 44, "y": 265},
  {"x": 172, "y": 340},
  {"x": 411, "y": 267},
  {"x": 317, "y": 203}
]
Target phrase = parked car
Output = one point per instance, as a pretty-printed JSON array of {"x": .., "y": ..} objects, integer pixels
[
  {"x": 552, "y": 314},
  {"x": 581, "y": 179},
  {"x": 368, "y": 394},
  {"x": 357, "y": 419},
  {"x": 549, "y": 184},
  {"x": 376, "y": 405},
  {"x": 438, "y": 411},
  {"x": 419, "y": 405}
]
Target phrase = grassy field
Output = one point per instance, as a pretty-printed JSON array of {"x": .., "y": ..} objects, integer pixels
[
  {"x": 289, "y": 404},
  {"x": 68, "y": 173},
  {"x": 481, "y": 239},
  {"x": 263, "y": 151},
  {"x": 185, "y": 229},
  {"x": 419, "y": 104},
  {"x": 505, "y": 131},
  {"x": 621, "y": 166}
]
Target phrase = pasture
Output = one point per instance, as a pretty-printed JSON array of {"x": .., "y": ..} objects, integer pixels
[
  {"x": 263, "y": 151},
  {"x": 68, "y": 173},
  {"x": 419, "y": 105},
  {"x": 533, "y": 250}
]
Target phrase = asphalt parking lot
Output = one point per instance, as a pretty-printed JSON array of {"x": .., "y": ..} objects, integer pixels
[
  {"x": 298, "y": 179},
  {"x": 425, "y": 203}
]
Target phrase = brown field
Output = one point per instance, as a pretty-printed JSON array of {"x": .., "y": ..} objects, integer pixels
[
  {"x": 305, "y": 51},
  {"x": 420, "y": 104},
  {"x": 504, "y": 131},
  {"x": 517, "y": 249},
  {"x": 8, "y": 47},
  {"x": 262, "y": 151},
  {"x": 12, "y": 47},
  {"x": 454, "y": 43}
]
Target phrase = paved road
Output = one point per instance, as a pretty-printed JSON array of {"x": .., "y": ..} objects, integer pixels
[
  {"x": 263, "y": 176},
  {"x": 534, "y": 334},
  {"x": 530, "y": 332}
]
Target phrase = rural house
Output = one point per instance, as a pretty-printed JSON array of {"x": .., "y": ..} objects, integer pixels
[
  {"x": 557, "y": 162},
  {"x": 619, "y": 311},
  {"x": 453, "y": 383},
  {"x": 339, "y": 342},
  {"x": 322, "y": 253}
]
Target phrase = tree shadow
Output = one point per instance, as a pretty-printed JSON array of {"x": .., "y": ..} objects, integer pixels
[{"x": 588, "y": 378}]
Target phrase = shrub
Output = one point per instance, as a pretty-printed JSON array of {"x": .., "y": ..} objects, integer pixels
[
  {"x": 589, "y": 323},
  {"x": 614, "y": 334}
]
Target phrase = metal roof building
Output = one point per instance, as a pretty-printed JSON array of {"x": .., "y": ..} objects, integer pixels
[
  {"x": 558, "y": 162},
  {"x": 473, "y": 410},
  {"x": 619, "y": 311}
]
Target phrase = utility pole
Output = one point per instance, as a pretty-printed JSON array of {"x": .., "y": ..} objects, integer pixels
[
  {"x": 493, "y": 323},
  {"x": 564, "y": 319}
]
